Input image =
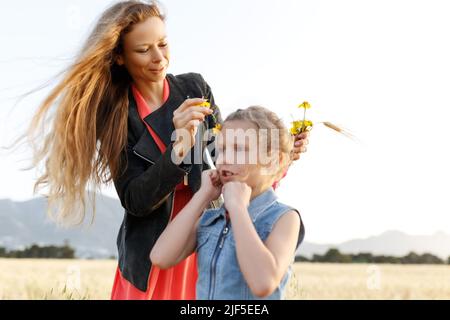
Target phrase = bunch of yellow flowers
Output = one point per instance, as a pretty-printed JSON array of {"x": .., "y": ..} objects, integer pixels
[
  {"x": 304, "y": 125},
  {"x": 300, "y": 126}
]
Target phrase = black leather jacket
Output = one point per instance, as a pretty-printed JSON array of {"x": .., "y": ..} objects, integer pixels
[{"x": 146, "y": 186}]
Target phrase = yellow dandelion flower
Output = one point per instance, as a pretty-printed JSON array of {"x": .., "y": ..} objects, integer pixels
[
  {"x": 217, "y": 129},
  {"x": 305, "y": 105},
  {"x": 301, "y": 126},
  {"x": 205, "y": 104}
]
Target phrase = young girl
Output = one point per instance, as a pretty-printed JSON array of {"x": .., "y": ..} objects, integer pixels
[{"x": 245, "y": 248}]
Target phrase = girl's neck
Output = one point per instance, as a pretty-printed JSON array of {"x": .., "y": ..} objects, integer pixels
[
  {"x": 257, "y": 192},
  {"x": 152, "y": 92}
]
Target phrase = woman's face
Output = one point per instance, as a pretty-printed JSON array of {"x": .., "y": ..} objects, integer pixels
[{"x": 146, "y": 51}]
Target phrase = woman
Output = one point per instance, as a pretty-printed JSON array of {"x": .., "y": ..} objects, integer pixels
[{"x": 120, "y": 117}]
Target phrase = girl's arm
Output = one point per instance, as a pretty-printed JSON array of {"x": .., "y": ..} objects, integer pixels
[
  {"x": 179, "y": 239},
  {"x": 263, "y": 264}
]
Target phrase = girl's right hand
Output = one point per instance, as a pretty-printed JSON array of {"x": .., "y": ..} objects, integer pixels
[
  {"x": 211, "y": 186},
  {"x": 186, "y": 120}
]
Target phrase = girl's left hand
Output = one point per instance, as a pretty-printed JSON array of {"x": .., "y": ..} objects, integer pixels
[
  {"x": 236, "y": 195},
  {"x": 300, "y": 142}
]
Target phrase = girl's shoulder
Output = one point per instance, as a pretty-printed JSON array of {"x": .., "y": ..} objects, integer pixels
[{"x": 277, "y": 210}]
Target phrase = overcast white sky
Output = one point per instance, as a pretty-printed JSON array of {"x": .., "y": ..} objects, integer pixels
[{"x": 379, "y": 68}]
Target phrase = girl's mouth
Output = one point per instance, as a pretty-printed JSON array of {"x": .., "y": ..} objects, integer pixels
[{"x": 226, "y": 173}]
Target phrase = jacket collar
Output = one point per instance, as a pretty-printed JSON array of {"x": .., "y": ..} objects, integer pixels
[
  {"x": 160, "y": 120},
  {"x": 257, "y": 206}
]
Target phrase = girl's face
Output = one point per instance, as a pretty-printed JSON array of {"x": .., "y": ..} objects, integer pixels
[
  {"x": 239, "y": 156},
  {"x": 146, "y": 51}
]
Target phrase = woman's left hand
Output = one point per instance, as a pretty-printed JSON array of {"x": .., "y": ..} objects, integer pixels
[
  {"x": 236, "y": 195},
  {"x": 300, "y": 142}
]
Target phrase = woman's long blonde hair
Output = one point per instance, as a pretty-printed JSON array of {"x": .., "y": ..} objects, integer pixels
[{"x": 89, "y": 128}]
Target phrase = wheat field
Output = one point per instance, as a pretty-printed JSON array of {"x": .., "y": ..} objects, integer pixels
[{"x": 86, "y": 279}]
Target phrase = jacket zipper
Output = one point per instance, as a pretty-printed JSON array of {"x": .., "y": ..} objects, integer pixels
[
  {"x": 142, "y": 157},
  {"x": 185, "y": 178},
  {"x": 212, "y": 278}
]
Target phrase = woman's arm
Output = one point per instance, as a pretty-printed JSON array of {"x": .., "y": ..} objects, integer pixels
[{"x": 142, "y": 189}]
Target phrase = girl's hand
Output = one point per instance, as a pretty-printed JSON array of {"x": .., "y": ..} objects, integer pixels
[
  {"x": 211, "y": 186},
  {"x": 236, "y": 195},
  {"x": 300, "y": 142},
  {"x": 186, "y": 120}
]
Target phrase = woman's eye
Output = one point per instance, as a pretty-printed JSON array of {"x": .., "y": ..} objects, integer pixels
[
  {"x": 143, "y": 51},
  {"x": 163, "y": 45}
]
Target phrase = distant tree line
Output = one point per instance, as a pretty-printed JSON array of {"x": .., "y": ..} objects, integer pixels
[
  {"x": 37, "y": 252},
  {"x": 334, "y": 256}
]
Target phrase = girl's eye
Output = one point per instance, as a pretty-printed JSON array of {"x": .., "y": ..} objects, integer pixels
[
  {"x": 143, "y": 51},
  {"x": 163, "y": 45}
]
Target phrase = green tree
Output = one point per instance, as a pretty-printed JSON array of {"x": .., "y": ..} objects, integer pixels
[
  {"x": 301, "y": 259},
  {"x": 430, "y": 259},
  {"x": 334, "y": 256}
]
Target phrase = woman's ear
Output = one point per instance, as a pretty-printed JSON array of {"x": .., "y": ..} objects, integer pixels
[{"x": 119, "y": 60}]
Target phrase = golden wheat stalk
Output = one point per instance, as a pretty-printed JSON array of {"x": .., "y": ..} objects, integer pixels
[{"x": 340, "y": 130}]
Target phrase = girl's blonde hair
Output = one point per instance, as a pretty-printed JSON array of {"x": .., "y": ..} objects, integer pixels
[
  {"x": 89, "y": 128},
  {"x": 275, "y": 129}
]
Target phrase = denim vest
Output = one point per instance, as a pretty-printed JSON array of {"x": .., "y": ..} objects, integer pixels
[{"x": 220, "y": 277}]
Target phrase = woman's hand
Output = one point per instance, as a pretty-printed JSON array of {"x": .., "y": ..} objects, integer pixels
[
  {"x": 300, "y": 142},
  {"x": 211, "y": 186},
  {"x": 236, "y": 195},
  {"x": 186, "y": 120}
]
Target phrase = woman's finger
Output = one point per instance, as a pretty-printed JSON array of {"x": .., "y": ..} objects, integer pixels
[
  {"x": 301, "y": 143},
  {"x": 302, "y": 136},
  {"x": 192, "y": 124},
  {"x": 183, "y": 122},
  {"x": 203, "y": 110},
  {"x": 190, "y": 103}
]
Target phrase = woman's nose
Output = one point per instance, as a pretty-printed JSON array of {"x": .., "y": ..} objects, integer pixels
[{"x": 157, "y": 56}]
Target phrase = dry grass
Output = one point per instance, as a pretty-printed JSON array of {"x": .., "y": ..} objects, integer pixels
[
  {"x": 363, "y": 281},
  {"x": 81, "y": 279},
  {"x": 56, "y": 279}
]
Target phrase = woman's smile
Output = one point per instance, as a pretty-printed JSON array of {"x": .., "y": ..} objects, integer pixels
[{"x": 157, "y": 71}]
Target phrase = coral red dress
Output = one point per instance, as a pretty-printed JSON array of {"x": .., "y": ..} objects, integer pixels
[{"x": 178, "y": 282}]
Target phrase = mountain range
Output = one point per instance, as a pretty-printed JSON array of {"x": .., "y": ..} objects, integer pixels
[{"x": 26, "y": 223}]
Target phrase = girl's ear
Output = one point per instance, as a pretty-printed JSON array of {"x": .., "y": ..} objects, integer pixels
[{"x": 272, "y": 166}]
